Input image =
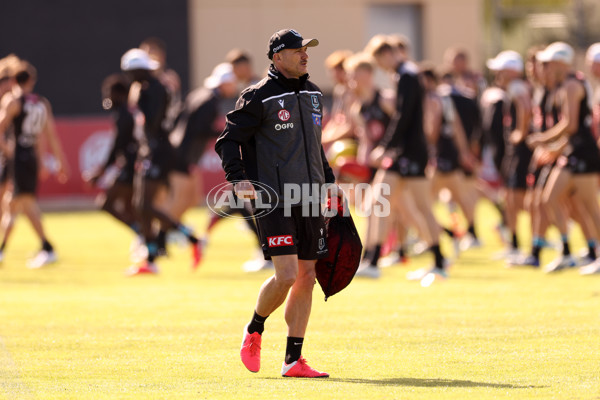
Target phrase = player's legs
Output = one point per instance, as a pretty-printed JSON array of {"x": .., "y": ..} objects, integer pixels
[
  {"x": 274, "y": 290},
  {"x": 515, "y": 202},
  {"x": 299, "y": 303},
  {"x": 385, "y": 190},
  {"x": 8, "y": 219},
  {"x": 420, "y": 191},
  {"x": 586, "y": 192},
  {"x": 554, "y": 195},
  {"x": 585, "y": 198},
  {"x": 32, "y": 210},
  {"x": 558, "y": 187},
  {"x": 118, "y": 203},
  {"x": 183, "y": 194}
]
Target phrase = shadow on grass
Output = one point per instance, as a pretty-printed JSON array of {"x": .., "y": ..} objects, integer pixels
[{"x": 421, "y": 382}]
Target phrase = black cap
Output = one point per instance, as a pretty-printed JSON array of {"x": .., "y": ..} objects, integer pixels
[{"x": 288, "y": 39}]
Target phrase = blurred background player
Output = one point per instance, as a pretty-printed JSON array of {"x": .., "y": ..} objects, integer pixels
[
  {"x": 465, "y": 79},
  {"x": 157, "y": 50},
  {"x": 539, "y": 168},
  {"x": 339, "y": 125},
  {"x": 402, "y": 156},
  {"x": 508, "y": 69},
  {"x": 449, "y": 146},
  {"x": 149, "y": 99},
  {"x": 33, "y": 125},
  {"x": 8, "y": 67},
  {"x": 200, "y": 121},
  {"x": 370, "y": 114},
  {"x": 243, "y": 70},
  {"x": 574, "y": 179},
  {"x": 593, "y": 64},
  {"x": 467, "y": 110},
  {"x": 118, "y": 198}
]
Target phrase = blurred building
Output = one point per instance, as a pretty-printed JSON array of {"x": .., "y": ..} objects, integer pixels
[{"x": 431, "y": 25}]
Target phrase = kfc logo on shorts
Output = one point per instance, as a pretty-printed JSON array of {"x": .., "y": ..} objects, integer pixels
[
  {"x": 283, "y": 115},
  {"x": 278, "y": 241}
]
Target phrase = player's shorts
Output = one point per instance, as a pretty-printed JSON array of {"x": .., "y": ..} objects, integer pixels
[
  {"x": 584, "y": 161},
  {"x": 281, "y": 235},
  {"x": 516, "y": 168},
  {"x": 25, "y": 171},
  {"x": 126, "y": 175},
  {"x": 158, "y": 165},
  {"x": 181, "y": 166},
  {"x": 409, "y": 168},
  {"x": 446, "y": 165}
]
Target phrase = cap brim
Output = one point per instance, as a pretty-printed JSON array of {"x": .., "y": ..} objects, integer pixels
[
  {"x": 310, "y": 42},
  {"x": 543, "y": 56},
  {"x": 304, "y": 43},
  {"x": 492, "y": 64}
]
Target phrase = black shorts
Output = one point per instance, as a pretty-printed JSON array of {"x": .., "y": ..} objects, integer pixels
[
  {"x": 126, "y": 175},
  {"x": 181, "y": 166},
  {"x": 515, "y": 167},
  {"x": 6, "y": 166},
  {"x": 25, "y": 171},
  {"x": 409, "y": 168},
  {"x": 584, "y": 161},
  {"x": 158, "y": 165},
  {"x": 447, "y": 164},
  {"x": 281, "y": 235}
]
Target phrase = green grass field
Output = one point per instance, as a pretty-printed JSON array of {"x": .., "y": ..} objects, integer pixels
[{"x": 81, "y": 330}]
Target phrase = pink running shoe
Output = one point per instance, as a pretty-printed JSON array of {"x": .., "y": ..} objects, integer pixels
[
  {"x": 144, "y": 268},
  {"x": 197, "y": 249},
  {"x": 300, "y": 369},
  {"x": 250, "y": 351}
]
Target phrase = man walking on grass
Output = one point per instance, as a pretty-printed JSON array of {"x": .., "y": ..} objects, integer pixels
[{"x": 273, "y": 138}]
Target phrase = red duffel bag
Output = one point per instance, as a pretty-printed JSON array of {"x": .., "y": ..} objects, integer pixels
[{"x": 336, "y": 271}]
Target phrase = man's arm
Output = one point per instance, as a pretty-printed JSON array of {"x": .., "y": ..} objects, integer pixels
[
  {"x": 8, "y": 111},
  {"x": 153, "y": 103},
  {"x": 241, "y": 126},
  {"x": 124, "y": 126},
  {"x": 432, "y": 119},
  {"x": 50, "y": 134},
  {"x": 329, "y": 175}
]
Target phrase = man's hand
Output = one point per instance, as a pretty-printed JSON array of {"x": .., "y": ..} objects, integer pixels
[{"x": 244, "y": 190}]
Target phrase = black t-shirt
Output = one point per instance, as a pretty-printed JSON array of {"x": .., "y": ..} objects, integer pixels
[
  {"x": 153, "y": 102},
  {"x": 405, "y": 131},
  {"x": 196, "y": 124},
  {"x": 125, "y": 144}
]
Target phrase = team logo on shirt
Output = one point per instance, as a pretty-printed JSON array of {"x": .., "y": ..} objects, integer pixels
[
  {"x": 283, "y": 115},
  {"x": 315, "y": 101},
  {"x": 316, "y": 119},
  {"x": 278, "y": 241}
]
